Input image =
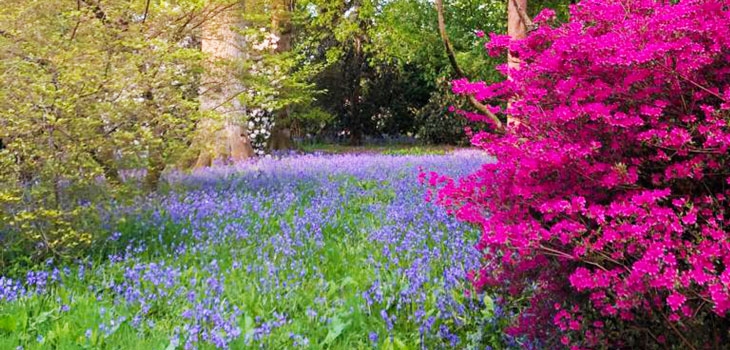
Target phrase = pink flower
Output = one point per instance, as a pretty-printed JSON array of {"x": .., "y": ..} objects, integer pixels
[
  {"x": 565, "y": 340},
  {"x": 675, "y": 301},
  {"x": 612, "y": 184}
]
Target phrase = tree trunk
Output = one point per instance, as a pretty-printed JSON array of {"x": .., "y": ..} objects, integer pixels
[
  {"x": 358, "y": 60},
  {"x": 517, "y": 30},
  {"x": 280, "y": 139},
  {"x": 223, "y": 137},
  {"x": 281, "y": 25},
  {"x": 155, "y": 167},
  {"x": 105, "y": 158}
]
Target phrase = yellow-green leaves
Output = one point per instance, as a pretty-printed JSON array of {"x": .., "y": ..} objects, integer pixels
[{"x": 88, "y": 91}]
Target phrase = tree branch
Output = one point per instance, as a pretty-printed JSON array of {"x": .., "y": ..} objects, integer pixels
[
  {"x": 78, "y": 20},
  {"x": 146, "y": 11},
  {"x": 460, "y": 73}
]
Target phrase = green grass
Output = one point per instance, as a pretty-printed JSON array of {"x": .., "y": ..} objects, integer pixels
[{"x": 398, "y": 149}]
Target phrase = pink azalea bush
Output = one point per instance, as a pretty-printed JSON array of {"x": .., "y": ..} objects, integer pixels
[{"x": 608, "y": 200}]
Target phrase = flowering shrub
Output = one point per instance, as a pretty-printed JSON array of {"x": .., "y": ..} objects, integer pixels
[
  {"x": 260, "y": 123},
  {"x": 609, "y": 199},
  {"x": 265, "y": 76}
]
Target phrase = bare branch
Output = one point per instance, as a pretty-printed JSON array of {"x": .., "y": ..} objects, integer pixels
[
  {"x": 146, "y": 11},
  {"x": 78, "y": 20}
]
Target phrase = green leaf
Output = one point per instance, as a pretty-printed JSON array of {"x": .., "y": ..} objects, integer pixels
[
  {"x": 336, "y": 327},
  {"x": 248, "y": 326},
  {"x": 394, "y": 343},
  {"x": 40, "y": 319},
  {"x": 488, "y": 310}
]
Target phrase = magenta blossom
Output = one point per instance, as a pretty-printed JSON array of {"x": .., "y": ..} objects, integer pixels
[{"x": 610, "y": 195}]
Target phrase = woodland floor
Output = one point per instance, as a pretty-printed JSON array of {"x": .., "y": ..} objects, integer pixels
[{"x": 313, "y": 251}]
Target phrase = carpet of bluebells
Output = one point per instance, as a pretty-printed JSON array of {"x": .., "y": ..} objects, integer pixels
[{"x": 309, "y": 251}]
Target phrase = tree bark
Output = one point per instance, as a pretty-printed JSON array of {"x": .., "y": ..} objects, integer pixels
[
  {"x": 281, "y": 25},
  {"x": 516, "y": 28},
  {"x": 155, "y": 167},
  {"x": 281, "y": 139},
  {"x": 356, "y": 134},
  {"x": 517, "y": 23},
  {"x": 223, "y": 138},
  {"x": 105, "y": 158}
]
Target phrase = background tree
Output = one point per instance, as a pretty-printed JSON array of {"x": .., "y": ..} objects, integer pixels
[
  {"x": 223, "y": 133},
  {"x": 405, "y": 66},
  {"x": 276, "y": 82},
  {"x": 369, "y": 88},
  {"x": 282, "y": 26}
]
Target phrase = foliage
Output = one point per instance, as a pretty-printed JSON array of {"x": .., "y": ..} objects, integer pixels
[
  {"x": 88, "y": 91},
  {"x": 299, "y": 252},
  {"x": 310, "y": 121},
  {"x": 407, "y": 32},
  {"x": 415, "y": 150},
  {"x": 276, "y": 82},
  {"x": 334, "y": 34},
  {"x": 608, "y": 201},
  {"x": 436, "y": 125},
  {"x": 383, "y": 59}
]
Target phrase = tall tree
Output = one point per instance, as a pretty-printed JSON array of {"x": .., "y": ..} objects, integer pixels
[
  {"x": 353, "y": 73},
  {"x": 337, "y": 34},
  {"x": 282, "y": 26},
  {"x": 93, "y": 87},
  {"x": 223, "y": 133}
]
